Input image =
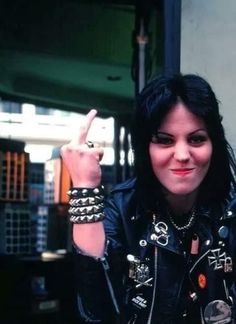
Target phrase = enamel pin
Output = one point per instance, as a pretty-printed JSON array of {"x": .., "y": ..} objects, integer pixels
[
  {"x": 161, "y": 235},
  {"x": 139, "y": 271},
  {"x": 219, "y": 260}
]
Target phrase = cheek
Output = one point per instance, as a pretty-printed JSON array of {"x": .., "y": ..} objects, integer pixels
[
  {"x": 203, "y": 157},
  {"x": 159, "y": 158}
]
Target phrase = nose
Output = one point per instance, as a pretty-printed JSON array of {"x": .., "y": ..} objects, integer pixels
[{"x": 182, "y": 152}]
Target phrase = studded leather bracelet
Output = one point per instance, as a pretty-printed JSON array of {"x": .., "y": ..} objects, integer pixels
[{"x": 86, "y": 205}]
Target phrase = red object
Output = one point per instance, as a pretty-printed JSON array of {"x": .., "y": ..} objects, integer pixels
[{"x": 202, "y": 281}]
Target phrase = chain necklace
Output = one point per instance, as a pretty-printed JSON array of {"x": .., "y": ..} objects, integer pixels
[{"x": 186, "y": 226}]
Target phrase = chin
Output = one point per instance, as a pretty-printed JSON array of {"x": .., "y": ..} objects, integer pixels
[{"x": 182, "y": 191}]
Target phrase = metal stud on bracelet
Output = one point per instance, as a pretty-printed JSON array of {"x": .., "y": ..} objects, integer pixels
[
  {"x": 85, "y": 192},
  {"x": 86, "y": 201},
  {"x": 93, "y": 218},
  {"x": 87, "y": 210}
]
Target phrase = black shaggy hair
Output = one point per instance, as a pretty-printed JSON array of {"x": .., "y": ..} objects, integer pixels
[{"x": 154, "y": 102}]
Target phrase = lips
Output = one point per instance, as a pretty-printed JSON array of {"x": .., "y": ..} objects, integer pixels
[{"x": 182, "y": 171}]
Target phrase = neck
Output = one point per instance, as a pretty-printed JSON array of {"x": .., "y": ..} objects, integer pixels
[{"x": 181, "y": 204}]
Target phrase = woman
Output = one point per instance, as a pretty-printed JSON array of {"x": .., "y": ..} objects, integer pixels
[{"x": 161, "y": 249}]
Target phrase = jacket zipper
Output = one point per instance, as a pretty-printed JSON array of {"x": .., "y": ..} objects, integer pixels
[
  {"x": 106, "y": 268},
  {"x": 154, "y": 288}
]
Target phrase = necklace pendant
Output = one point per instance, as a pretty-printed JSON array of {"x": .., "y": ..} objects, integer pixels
[{"x": 183, "y": 233}]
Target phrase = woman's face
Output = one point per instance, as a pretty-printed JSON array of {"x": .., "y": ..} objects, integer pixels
[{"x": 181, "y": 151}]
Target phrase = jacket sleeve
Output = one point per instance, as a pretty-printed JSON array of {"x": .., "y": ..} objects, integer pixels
[{"x": 99, "y": 280}]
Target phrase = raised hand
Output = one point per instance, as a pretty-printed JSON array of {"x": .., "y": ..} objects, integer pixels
[{"x": 82, "y": 160}]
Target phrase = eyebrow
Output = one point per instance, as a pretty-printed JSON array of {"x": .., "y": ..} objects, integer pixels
[{"x": 195, "y": 131}]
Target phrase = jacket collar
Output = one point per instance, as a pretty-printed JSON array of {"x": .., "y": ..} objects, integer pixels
[
  {"x": 171, "y": 241},
  {"x": 230, "y": 208}
]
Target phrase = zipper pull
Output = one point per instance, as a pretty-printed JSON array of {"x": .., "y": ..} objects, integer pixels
[{"x": 105, "y": 264}]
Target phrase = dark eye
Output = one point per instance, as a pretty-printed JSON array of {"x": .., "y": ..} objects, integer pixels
[
  {"x": 161, "y": 139},
  {"x": 197, "y": 139}
]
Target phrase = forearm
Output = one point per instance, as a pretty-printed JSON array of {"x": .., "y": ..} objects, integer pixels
[
  {"x": 90, "y": 238},
  {"x": 101, "y": 269},
  {"x": 96, "y": 296}
]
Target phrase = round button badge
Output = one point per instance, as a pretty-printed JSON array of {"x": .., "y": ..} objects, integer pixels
[
  {"x": 143, "y": 243},
  {"x": 202, "y": 281},
  {"x": 217, "y": 311}
]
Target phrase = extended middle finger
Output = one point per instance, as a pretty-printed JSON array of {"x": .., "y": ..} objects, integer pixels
[{"x": 84, "y": 128}]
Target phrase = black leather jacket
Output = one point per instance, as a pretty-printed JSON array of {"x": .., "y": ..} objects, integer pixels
[{"x": 162, "y": 280}]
